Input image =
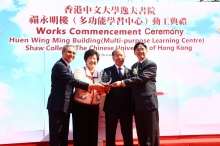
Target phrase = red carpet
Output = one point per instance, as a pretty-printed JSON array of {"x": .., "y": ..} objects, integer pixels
[{"x": 201, "y": 140}]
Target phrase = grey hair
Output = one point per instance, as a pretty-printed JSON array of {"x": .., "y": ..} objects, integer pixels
[
  {"x": 66, "y": 46},
  {"x": 117, "y": 49}
]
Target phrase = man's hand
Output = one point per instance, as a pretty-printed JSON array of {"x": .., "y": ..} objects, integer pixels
[
  {"x": 116, "y": 84},
  {"x": 98, "y": 87}
]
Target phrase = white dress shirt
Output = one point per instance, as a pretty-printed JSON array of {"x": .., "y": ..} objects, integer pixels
[{"x": 122, "y": 69}]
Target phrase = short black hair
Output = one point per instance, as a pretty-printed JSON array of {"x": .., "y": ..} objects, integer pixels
[
  {"x": 140, "y": 43},
  {"x": 91, "y": 52}
]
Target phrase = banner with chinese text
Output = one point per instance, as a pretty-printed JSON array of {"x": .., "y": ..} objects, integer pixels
[{"x": 184, "y": 43}]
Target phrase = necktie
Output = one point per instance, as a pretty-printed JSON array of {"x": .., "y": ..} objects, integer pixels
[
  {"x": 120, "y": 74},
  {"x": 139, "y": 66},
  {"x": 69, "y": 68}
]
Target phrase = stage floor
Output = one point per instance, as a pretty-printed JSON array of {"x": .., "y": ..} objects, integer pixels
[{"x": 193, "y": 140}]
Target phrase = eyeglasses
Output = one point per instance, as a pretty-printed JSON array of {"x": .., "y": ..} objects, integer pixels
[
  {"x": 140, "y": 49},
  {"x": 71, "y": 52}
]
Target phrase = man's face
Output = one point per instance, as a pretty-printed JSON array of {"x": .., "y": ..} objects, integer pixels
[
  {"x": 140, "y": 52},
  {"x": 118, "y": 57},
  {"x": 69, "y": 54}
]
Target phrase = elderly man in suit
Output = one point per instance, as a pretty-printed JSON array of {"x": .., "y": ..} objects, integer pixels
[
  {"x": 145, "y": 102},
  {"x": 117, "y": 104},
  {"x": 60, "y": 99}
]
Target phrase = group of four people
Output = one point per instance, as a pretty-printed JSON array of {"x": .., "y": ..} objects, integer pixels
[{"x": 131, "y": 92}]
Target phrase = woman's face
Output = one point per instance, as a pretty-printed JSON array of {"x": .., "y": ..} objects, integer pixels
[{"x": 91, "y": 62}]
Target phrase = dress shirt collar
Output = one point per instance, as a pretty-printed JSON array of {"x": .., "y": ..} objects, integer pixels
[
  {"x": 141, "y": 60},
  {"x": 122, "y": 69}
]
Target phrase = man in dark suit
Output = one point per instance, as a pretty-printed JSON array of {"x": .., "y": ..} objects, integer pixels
[
  {"x": 145, "y": 102},
  {"x": 60, "y": 99},
  {"x": 117, "y": 104}
]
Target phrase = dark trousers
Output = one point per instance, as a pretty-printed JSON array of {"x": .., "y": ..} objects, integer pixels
[
  {"x": 111, "y": 121},
  {"x": 147, "y": 126},
  {"x": 58, "y": 128},
  {"x": 85, "y": 124}
]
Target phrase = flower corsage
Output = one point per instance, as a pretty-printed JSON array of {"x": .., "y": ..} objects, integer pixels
[
  {"x": 135, "y": 71},
  {"x": 127, "y": 73}
]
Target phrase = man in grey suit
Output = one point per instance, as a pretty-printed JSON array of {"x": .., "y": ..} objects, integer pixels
[
  {"x": 60, "y": 99},
  {"x": 145, "y": 102}
]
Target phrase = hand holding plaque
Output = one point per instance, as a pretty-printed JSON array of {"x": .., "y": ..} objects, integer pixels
[{"x": 106, "y": 79}]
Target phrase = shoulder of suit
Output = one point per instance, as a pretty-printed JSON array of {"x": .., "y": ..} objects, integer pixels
[
  {"x": 151, "y": 62},
  {"x": 134, "y": 65},
  {"x": 62, "y": 61},
  {"x": 110, "y": 67},
  {"x": 59, "y": 63},
  {"x": 126, "y": 67}
]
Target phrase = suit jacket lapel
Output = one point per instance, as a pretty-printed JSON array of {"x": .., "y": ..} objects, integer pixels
[
  {"x": 61, "y": 59},
  {"x": 125, "y": 69},
  {"x": 144, "y": 63}
]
